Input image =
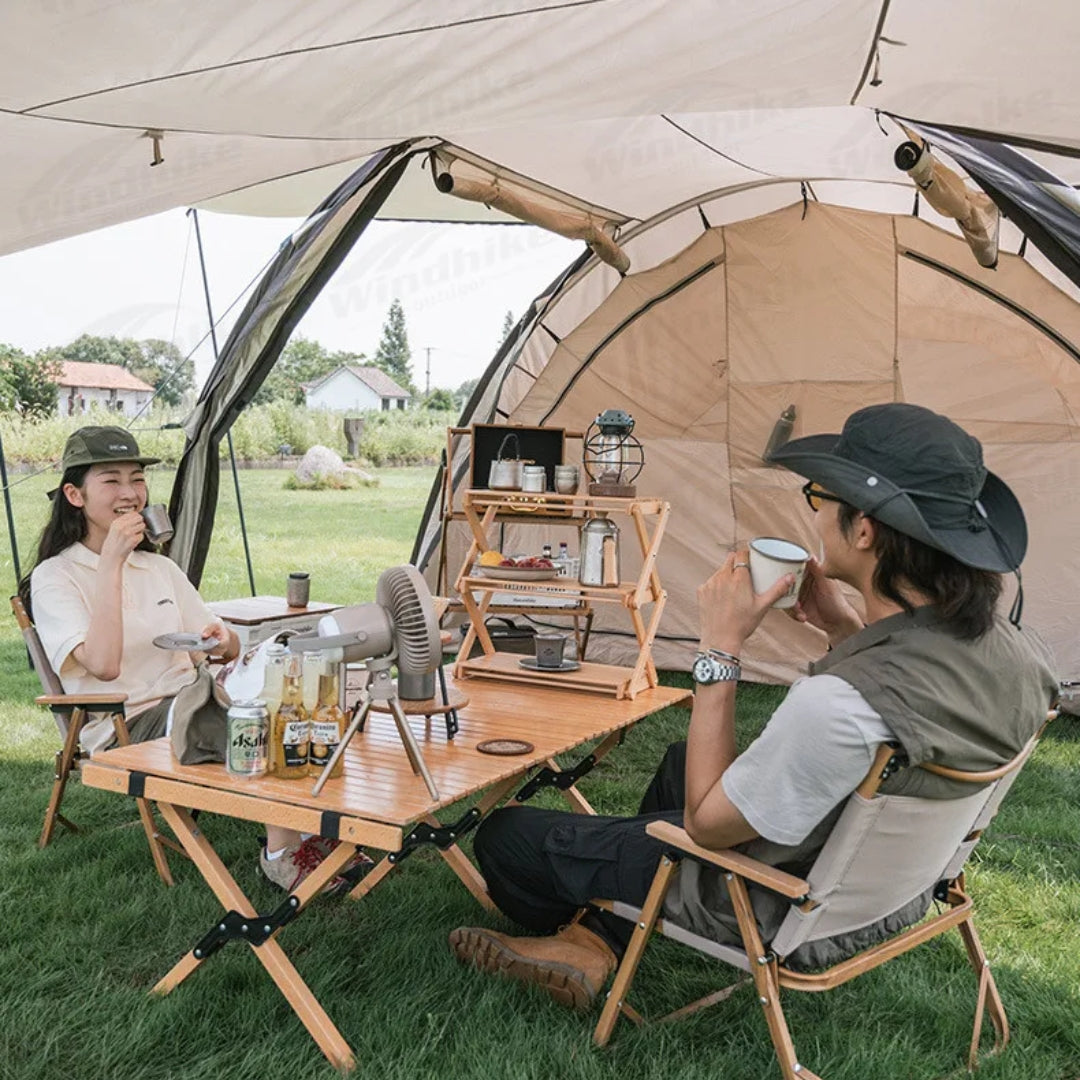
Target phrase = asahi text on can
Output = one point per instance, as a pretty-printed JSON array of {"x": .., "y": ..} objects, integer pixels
[{"x": 249, "y": 729}]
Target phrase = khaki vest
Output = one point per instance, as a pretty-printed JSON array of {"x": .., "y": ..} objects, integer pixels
[{"x": 970, "y": 705}]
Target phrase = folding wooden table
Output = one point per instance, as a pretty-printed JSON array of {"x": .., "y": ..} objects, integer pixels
[{"x": 378, "y": 802}]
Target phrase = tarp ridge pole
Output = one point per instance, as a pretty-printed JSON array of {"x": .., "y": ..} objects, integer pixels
[
  {"x": 228, "y": 435},
  {"x": 10, "y": 514}
]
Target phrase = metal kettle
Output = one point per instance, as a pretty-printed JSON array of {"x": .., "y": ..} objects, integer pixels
[{"x": 599, "y": 552}]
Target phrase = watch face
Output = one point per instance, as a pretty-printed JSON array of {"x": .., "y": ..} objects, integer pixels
[{"x": 704, "y": 670}]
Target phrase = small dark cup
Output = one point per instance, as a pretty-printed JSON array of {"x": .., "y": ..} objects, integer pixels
[
  {"x": 549, "y": 650},
  {"x": 159, "y": 528},
  {"x": 298, "y": 588}
]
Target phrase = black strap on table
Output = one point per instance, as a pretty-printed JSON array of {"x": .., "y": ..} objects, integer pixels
[
  {"x": 137, "y": 784},
  {"x": 330, "y": 825}
]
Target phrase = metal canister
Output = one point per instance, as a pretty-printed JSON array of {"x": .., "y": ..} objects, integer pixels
[{"x": 248, "y": 731}]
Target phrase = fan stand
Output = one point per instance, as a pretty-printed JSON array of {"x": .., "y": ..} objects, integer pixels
[{"x": 382, "y": 689}]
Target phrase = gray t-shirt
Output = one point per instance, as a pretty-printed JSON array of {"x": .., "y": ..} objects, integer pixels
[{"x": 814, "y": 751}]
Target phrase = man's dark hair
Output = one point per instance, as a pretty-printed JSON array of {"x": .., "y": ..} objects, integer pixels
[{"x": 966, "y": 598}]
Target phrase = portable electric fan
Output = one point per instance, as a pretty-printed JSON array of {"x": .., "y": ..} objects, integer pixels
[{"x": 398, "y": 628}]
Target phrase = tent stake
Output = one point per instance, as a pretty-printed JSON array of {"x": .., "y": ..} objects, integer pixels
[{"x": 228, "y": 435}]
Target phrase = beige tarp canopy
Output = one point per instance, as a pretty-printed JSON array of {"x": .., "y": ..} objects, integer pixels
[
  {"x": 633, "y": 105},
  {"x": 686, "y": 134}
]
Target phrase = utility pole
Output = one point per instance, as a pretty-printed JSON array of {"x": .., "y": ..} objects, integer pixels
[{"x": 427, "y": 373}]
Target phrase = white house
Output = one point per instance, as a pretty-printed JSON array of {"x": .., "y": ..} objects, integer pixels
[
  {"x": 355, "y": 389},
  {"x": 108, "y": 385}
]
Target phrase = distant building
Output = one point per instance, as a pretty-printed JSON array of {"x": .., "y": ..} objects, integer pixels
[
  {"x": 355, "y": 389},
  {"x": 108, "y": 385}
]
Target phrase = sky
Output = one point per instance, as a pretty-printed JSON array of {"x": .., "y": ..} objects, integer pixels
[{"x": 142, "y": 280}]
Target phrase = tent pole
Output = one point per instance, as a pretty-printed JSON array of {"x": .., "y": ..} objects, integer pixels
[
  {"x": 10, "y": 514},
  {"x": 228, "y": 435}
]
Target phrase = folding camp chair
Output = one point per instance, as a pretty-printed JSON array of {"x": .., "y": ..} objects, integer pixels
[
  {"x": 70, "y": 713},
  {"x": 884, "y": 851}
]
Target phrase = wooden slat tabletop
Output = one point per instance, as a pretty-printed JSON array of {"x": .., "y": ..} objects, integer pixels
[{"x": 378, "y": 783}]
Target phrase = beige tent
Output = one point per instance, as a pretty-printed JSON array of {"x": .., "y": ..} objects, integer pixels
[{"x": 721, "y": 327}]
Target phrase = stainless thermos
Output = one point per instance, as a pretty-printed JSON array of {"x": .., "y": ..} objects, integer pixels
[{"x": 599, "y": 552}]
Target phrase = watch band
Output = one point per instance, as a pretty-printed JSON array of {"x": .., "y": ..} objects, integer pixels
[{"x": 707, "y": 670}]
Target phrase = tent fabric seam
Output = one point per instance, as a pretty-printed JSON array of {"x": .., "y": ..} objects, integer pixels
[
  {"x": 991, "y": 294},
  {"x": 623, "y": 324},
  {"x": 708, "y": 146},
  {"x": 308, "y": 50}
]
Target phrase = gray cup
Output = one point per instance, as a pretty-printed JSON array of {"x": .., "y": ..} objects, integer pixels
[
  {"x": 158, "y": 526},
  {"x": 298, "y": 588},
  {"x": 549, "y": 650}
]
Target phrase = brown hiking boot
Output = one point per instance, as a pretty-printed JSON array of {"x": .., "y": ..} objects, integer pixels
[{"x": 572, "y": 965}]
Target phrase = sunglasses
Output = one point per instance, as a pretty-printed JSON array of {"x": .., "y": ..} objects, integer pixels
[{"x": 815, "y": 496}]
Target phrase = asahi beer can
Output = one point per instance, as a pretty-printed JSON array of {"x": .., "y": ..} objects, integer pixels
[{"x": 249, "y": 730}]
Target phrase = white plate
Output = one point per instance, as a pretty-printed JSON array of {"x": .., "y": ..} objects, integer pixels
[
  {"x": 185, "y": 642},
  {"x": 517, "y": 573},
  {"x": 530, "y": 664}
]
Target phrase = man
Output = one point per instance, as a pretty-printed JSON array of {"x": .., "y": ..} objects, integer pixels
[{"x": 907, "y": 515}]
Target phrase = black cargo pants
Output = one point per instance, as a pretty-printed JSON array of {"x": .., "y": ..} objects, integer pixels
[{"x": 541, "y": 866}]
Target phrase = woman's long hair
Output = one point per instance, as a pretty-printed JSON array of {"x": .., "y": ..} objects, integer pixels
[{"x": 66, "y": 526}]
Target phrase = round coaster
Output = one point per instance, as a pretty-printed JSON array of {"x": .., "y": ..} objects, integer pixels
[{"x": 505, "y": 747}]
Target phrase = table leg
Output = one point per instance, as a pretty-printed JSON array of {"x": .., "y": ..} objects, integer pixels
[
  {"x": 445, "y": 837},
  {"x": 270, "y": 953}
]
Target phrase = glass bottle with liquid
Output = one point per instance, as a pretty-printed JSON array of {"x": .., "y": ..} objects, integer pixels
[
  {"x": 273, "y": 679},
  {"x": 327, "y": 719},
  {"x": 290, "y": 728}
]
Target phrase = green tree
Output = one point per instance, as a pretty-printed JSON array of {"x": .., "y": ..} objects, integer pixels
[
  {"x": 165, "y": 368},
  {"x": 89, "y": 349},
  {"x": 441, "y": 400},
  {"x": 507, "y": 326},
  {"x": 31, "y": 381},
  {"x": 301, "y": 361},
  {"x": 393, "y": 354},
  {"x": 465, "y": 391}
]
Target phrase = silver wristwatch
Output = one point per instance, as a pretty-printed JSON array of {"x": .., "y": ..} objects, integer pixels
[{"x": 708, "y": 669}]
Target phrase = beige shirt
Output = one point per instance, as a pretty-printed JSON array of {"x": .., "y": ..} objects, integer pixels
[{"x": 157, "y": 599}]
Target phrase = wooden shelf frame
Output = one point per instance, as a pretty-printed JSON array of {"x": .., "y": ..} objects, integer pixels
[{"x": 649, "y": 516}]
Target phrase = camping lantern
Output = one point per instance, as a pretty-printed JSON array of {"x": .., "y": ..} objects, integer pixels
[{"x": 613, "y": 457}]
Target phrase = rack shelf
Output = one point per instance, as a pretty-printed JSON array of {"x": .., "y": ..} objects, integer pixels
[{"x": 484, "y": 508}]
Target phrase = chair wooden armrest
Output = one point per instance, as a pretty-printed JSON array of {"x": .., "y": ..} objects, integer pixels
[
  {"x": 777, "y": 880},
  {"x": 87, "y": 701}
]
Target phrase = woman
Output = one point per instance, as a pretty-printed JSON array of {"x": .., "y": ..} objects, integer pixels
[{"x": 99, "y": 594}]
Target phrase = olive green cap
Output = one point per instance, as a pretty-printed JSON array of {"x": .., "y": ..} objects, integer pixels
[{"x": 98, "y": 445}]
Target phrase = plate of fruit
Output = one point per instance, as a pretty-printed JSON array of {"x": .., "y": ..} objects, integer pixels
[{"x": 527, "y": 568}]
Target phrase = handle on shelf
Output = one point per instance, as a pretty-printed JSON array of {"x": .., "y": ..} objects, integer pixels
[
  {"x": 610, "y": 562},
  {"x": 499, "y": 456}
]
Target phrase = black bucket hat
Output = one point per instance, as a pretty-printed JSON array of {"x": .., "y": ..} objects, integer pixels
[{"x": 919, "y": 472}]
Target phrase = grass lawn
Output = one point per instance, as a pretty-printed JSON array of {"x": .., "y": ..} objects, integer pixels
[{"x": 86, "y": 928}]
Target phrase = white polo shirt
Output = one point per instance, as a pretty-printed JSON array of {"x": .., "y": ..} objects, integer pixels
[{"x": 157, "y": 599}]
